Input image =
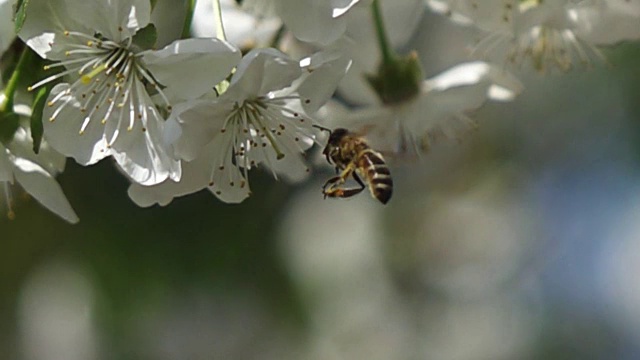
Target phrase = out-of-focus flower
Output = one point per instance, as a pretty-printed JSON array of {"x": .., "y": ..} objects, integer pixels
[
  {"x": 320, "y": 22},
  {"x": 108, "y": 108},
  {"x": 401, "y": 19},
  {"x": 608, "y": 21},
  {"x": 260, "y": 119},
  {"x": 7, "y": 33},
  {"x": 557, "y": 33},
  {"x": 34, "y": 173},
  {"x": 242, "y": 28},
  {"x": 56, "y": 313},
  {"x": 335, "y": 254},
  {"x": 436, "y": 111}
]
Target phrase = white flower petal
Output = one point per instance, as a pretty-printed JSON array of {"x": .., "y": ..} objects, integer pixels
[
  {"x": 242, "y": 28},
  {"x": 312, "y": 20},
  {"x": 175, "y": 65},
  {"x": 325, "y": 73},
  {"x": 477, "y": 73},
  {"x": 142, "y": 154},
  {"x": 199, "y": 121},
  {"x": 44, "y": 188},
  {"x": 262, "y": 71},
  {"x": 489, "y": 15},
  {"x": 194, "y": 178},
  {"x": 7, "y": 33},
  {"x": 196, "y": 175},
  {"x": 227, "y": 193},
  {"x": 610, "y": 22},
  {"x": 291, "y": 167},
  {"x": 43, "y": 30},
  {"x": 22, "y": 146},
  {"x": 114, "y": 19},
  {"x": 63, "y": 134}
]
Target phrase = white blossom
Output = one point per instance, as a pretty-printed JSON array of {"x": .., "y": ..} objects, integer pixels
[
  {"x": 559, "y": 33},
  {"x": 242, "y": 28},
  {"x": 437, "y": 111},
  {"x": 107, "y": 108},
  {"x": 401, "y": 19},
  {"x": 35, "y": 173},
  {"x": 260, "y": 119},
  {"x": 313, "y": 21},
  {"x": 7, "y": 32}
]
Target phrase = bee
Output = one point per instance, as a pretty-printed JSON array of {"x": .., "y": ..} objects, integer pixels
[{"x": 352, "y": 156}]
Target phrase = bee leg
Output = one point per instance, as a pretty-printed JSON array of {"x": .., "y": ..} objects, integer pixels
[
  {"x": 341, "y": 192},
  {"x": 332, "y": 182},
  {"x": 357, "y": 178},
  {"x": 330, "y": 188},
  {"x": 345, "y": 193},
  {"x": 335, "y": 191}
]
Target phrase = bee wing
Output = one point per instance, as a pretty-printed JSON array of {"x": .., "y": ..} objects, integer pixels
[
  {"x": 455, "y": 129},
  {"x": 399, "y": 145}
]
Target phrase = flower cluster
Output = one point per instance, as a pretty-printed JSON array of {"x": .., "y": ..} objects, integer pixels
[
  {"x": 560, "y": 33},
  {"x": 252, "y": 84}
]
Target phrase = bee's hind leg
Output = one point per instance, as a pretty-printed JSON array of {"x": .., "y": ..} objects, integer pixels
[{"x": 334, "y": 191}]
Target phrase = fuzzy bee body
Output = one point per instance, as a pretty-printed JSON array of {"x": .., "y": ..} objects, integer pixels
[{"x": 352, "y": 156}]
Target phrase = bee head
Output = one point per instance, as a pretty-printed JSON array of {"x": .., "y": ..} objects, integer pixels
[{"x": 336, "y": 136}]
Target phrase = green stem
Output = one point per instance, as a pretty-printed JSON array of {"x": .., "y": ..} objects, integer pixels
[
  {"x": 217, "y": 13},
  {"x": 12, "y": 85},
  {"x": 388, "y": 54},
  {"x": 188, "y": 18}
]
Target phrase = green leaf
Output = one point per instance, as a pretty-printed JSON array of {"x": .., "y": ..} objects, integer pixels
[
  {"x": 153, "y": 4},
  {"x": 146, "y": 37},
  {"x": 9, "y": 122},
  {"x": 20, "y": 14},
  {"x": 37, "y": 130}
]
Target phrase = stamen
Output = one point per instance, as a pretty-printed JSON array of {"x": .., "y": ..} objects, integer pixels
[
  {"x": 153, "y": 83},
  {"x": 49, "y": 79},
  {"x": 11, "y": 215},
  {"x": 86, "y": 79}
]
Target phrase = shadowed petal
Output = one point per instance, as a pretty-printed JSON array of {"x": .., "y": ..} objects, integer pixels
[{"x": 44, "y": 188}]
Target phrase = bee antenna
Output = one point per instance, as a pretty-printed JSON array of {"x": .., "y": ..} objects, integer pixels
[{"x": 322, "y": 128}]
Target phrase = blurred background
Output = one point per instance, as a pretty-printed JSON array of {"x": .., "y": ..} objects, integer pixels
[{"x": 520, "y": 242}]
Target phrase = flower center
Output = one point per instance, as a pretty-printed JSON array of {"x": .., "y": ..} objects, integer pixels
[
  {"x": 265, "y": 121},
  {"x": 110, "y": 81},
  {"x": 546, "y": 45}
]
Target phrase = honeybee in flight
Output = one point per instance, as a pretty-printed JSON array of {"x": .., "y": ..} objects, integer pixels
[{"x": 352, "y": 156}]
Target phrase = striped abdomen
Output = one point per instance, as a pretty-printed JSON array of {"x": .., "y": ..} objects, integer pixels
[{"x": 371, "y": 167}]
